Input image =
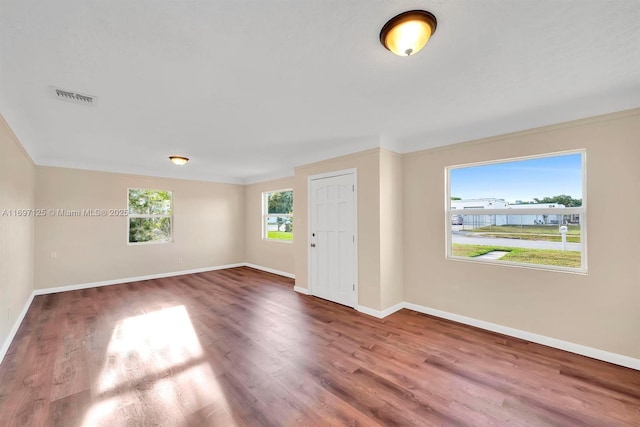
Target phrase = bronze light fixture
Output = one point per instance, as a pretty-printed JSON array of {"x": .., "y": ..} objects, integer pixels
[
  {"x": 179, "y": 160},
  {"x": 407, "y": 33}
]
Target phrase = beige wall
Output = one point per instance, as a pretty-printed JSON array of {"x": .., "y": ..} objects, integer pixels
[
  {"x": 208, "y": 228},
  {"x": 17, "y": 191},
  {"x": 599, "y": 309},
  {"x": 391, "y": 239},
  {"x": 266, "y": 253},
  {"x": 367, "y": 164}
]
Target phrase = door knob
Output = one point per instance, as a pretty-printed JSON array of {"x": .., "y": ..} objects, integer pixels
[{"x": 313, "y": 245}]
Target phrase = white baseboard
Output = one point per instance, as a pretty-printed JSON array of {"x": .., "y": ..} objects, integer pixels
[
  {"x": 583, "y": 350},
  {"x": 270, "y": 270},
  {"x": 369, "y": 311},
  {"x": 14, "y": 330},
  {"x": 131, "y": 279},
  {"x": 304, "y": 291},
  {"x": 380, "y": 314}
]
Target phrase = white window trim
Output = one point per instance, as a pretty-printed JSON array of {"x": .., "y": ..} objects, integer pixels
[
  {"x": 266, "y": 215},
  {"x": 130, "y": 215},
  {"x": 582, "y": 211}
]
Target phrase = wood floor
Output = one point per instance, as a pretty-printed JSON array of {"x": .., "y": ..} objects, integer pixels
[{"x": 240, "y": 347}]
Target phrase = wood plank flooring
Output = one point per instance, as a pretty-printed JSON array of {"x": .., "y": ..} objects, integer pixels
[{"x": 239, "y": 347}]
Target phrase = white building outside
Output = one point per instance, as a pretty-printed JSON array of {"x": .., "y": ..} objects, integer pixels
[{"x": 476, "y": 221}]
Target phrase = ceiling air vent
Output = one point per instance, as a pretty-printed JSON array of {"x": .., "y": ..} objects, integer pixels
[{"x": 76, "y": 98}]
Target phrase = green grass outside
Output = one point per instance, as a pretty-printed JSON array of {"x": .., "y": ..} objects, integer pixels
[
  {"x": 529, "y": 232},
  {"x": 545, "y": 237},
  {"x": 458, "y": 249},
  {"x": 524, "y": 255},
  {"x": 280, "y": 235},
  {"x": 529, "y": 229}
]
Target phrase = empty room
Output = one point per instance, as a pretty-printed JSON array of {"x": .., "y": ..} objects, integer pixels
[{"x": 358, "y": 213}]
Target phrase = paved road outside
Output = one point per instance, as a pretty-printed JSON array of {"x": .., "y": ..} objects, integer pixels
[{"x": 514, "y": 243}]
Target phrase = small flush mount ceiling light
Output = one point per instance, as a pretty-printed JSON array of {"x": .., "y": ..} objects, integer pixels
[
  {"x": 179, "y": 160},
  {"x": 408, "y": 32}
]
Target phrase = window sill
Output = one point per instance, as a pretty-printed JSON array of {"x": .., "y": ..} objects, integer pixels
[
  {"x": 550, "y": 268},
  {"x": 149, "y": 243},
  {"x": 264, "y": 239}
]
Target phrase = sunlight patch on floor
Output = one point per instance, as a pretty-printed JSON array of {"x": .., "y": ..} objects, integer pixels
[{"x": 155, "y": 372}]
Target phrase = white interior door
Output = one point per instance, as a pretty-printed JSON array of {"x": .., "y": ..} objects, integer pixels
[{"x": 332, "y": 251}]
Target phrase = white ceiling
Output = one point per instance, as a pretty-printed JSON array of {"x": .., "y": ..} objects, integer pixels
[{"x": 250, "y": 89}]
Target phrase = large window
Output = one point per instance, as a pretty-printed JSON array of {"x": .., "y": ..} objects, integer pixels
[
  {"x": 150, "y": 216},
  {"x": 277, "y": 215},
  {"x": 525, "y": 212}
]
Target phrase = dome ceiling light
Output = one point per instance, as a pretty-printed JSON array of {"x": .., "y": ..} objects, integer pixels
[
  {"x": 407, "y": 33},
  {"x": 179, "y": 160}
]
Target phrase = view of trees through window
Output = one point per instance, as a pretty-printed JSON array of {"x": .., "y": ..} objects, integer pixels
[
  {"x": 278, "y": 215},
  {"x": 150, "y": 215},
  {"x": 526, "y": 211}
]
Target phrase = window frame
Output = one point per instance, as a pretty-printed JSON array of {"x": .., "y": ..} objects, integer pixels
[
  {"x": 150, "y": 216},
  {"x": 582, "y": 211},
  {"x": 266, "y": 216}
]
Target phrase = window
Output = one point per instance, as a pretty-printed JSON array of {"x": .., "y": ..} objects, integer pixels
[
  {"x": 150, "y": 216},
  {"x": 525, "y": 212},
  {"x": 277, "y": 215}
]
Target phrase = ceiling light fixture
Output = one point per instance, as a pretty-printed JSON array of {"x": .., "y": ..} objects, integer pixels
[
  {"x": 179, "y": 160},
  {"x": 408, "y": 32}
]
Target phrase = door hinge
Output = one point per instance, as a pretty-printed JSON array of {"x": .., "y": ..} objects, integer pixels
[
  {"x": 353, "y": 187},
  {"x": 354, "y": 239},
  {"x": 354, "y": 286}
]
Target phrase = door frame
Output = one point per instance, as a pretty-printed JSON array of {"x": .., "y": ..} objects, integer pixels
[{"x": 310, "y": 178}]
